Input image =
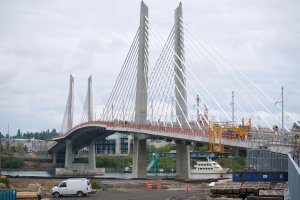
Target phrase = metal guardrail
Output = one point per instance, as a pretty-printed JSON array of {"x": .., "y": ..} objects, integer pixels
[{"x": 294, "y": 176}]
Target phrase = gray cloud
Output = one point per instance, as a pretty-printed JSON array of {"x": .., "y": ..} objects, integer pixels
[{"x": 43, "y": 42}]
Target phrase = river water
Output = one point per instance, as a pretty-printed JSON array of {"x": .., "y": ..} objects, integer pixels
[{"x": 44, "y": 174}]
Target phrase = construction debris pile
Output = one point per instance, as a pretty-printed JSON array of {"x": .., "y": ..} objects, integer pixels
[{"x": 249, "y": 190}]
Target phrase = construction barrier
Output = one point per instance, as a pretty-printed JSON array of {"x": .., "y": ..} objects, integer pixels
[
  {"x": 8, "y": 194},
  {"x": 158, "y": 185},
  {"x": 149, "y": 185}
]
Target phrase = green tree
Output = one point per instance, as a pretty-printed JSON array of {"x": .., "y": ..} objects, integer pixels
[
  {"x": 19, "y": 134},
  {"x": 296, "y": 126}
]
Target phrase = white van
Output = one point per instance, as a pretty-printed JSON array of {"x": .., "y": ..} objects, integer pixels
[{"x": 74, "y": 186}]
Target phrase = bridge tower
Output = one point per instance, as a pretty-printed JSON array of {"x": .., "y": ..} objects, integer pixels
[
  {"x": 139, "y": 147},
  {"x": 89, "y": 100},
  {"x": 182, "y": 148},
  {"x": 89, "y": 113},
  {"x": 70, "y": 104}
]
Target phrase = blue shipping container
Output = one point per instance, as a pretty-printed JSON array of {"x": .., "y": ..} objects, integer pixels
[
  {"x": 259, "y": 176},
  {"x": 8, "y": 194}
]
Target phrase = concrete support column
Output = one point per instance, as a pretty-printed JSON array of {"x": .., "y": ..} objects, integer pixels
[
  {"x": 69, "y": 154},
  {"x": 118, "y": 144},
  {"x": 54, "y": 157},
  {"x": 129, "y": 144},
  {"x": 92, "y": 156},
  {"x": 139, "y": 166},
  {"x": 182, "y": 160}
]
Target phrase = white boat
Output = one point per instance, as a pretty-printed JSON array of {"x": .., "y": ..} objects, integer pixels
[{"x": 208, "y": 167}]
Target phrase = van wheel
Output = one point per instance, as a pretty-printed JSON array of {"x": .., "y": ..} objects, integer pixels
[
  {"x": 56, "y": 194},
  {"x": 79, "y": 194}
]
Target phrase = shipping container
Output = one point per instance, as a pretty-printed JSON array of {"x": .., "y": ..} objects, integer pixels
[
  {"x": 8, "y": 194},
  {"x": 259, "y": 176}
]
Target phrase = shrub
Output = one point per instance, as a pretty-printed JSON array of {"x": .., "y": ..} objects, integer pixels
[
  {"x": 5, "y": 181},
  {"x": 95, "y": 184},
  {"x": 12, "y": 162}
]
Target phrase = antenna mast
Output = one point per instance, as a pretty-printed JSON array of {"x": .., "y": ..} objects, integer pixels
[
  {"x": 282, "y": 111},
  {"x": 232, "y": 104}
]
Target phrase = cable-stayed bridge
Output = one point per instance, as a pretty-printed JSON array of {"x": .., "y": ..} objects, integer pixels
[{"x": 189, "y": 89}]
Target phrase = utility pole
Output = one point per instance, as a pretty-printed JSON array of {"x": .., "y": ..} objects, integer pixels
[
  {"x": 232, "y": 104},
  {"x": 282, "y": 110},
  {"x": 198, "y": 101}
]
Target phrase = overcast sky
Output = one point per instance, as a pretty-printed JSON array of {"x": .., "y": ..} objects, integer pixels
[{"x": 42, "y": 42}]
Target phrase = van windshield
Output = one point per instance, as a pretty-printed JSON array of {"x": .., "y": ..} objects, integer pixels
[{"x": 62, "y": 184}]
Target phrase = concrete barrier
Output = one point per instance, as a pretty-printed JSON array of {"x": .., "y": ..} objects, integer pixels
[{"x": 74, "y": 172}]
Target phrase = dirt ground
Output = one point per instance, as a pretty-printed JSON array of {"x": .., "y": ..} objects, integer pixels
[
  {"x": 124, "y": 189},
  {"x": 142, "y": 194}
]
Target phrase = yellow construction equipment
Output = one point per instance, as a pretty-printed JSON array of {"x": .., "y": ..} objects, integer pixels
[{"x": 226, "y": 130}]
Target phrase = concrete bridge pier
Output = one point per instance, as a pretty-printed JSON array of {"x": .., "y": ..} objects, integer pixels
[
  {"x": 54, "y": 157},
  {"x": 139, "y": 164},
  {"x": 183, "y": 160},
  {"x": 68, "y": 155},
  {"x": 92, "y": 157},
  {"x": 118, "y": 144}
]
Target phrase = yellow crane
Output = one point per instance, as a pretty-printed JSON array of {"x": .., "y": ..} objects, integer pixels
[{"x": 226, "y": 130}]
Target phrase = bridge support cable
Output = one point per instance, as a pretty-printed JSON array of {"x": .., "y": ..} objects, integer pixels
[
  {"x": 101, "y": 110},
  {"x": 68, "y": 116},
  {"x": 158, "y": 77},
  {"x": 154, "y": 33},
  {"x": 172, "y": 51},
  {"x": 245, "y": 88},
  {"x": 121, "y": 86},
  {"x": 165, "y": 78},
  {"x": 126, "y": 69},
  {"x": 229, "y": 72},
  {"x": 79, "y": 113},
  {"x": 132, "y": 51},
  {"x": 221, "y": 85},
  {"x": 239, "y": 72},
  {"x": 166, "y": 45},
  {"x": 128, "y": 85}
]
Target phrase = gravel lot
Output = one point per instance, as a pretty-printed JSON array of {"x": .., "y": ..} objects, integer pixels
[{"x": 141, "y": 194}]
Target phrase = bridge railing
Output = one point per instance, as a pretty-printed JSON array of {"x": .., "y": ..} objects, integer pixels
[{"x": 254, "y": 137}]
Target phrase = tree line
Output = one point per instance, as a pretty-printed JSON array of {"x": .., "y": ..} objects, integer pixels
[{"x": 42, "y": 135}]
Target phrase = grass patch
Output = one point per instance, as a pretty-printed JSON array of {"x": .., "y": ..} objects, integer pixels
[{"x": 233, "y": 163}]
